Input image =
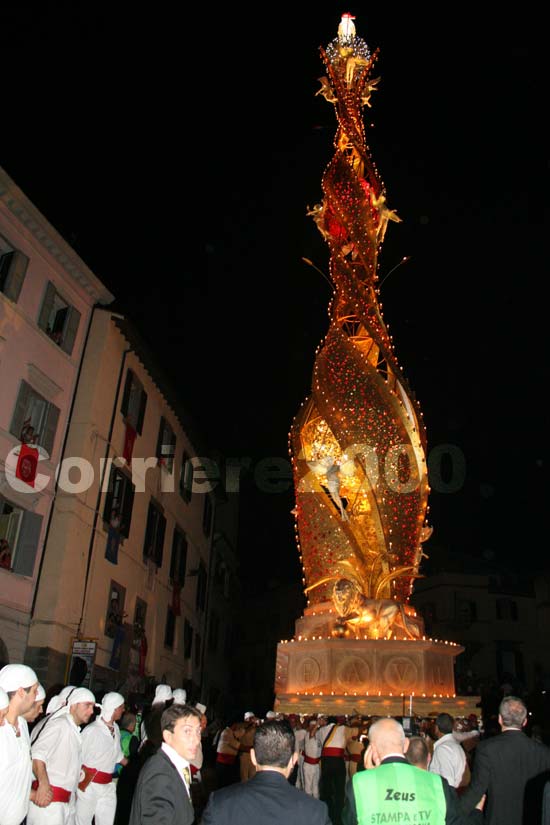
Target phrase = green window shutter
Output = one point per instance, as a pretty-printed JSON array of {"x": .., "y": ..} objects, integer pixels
[
  {"x": 182, "y": 559},
  {"x": 108, "y": 505},
  {"x": 27, "y": 543},
  {"x": 148, "y": 549},
  {"x": 71, "y": 328},
  {"x": 5, "y": 266},
  {"x": 160, "y": 438},
  {"x": 126, "y": 393},
  {"x": 159, "y": 549},
  {"x": 47, "y": 437},
  {"x": 21, "y": 409},
  {"x": 174, "y": 556},
  {"x": 142, "y": 406},
  {"x": 47, "y": 306},
  {"x": 127, "y": 507},
  {"x": 15, "y": 264}
]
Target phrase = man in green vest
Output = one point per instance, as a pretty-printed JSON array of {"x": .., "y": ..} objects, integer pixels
[{"x": 393, "y": 790}]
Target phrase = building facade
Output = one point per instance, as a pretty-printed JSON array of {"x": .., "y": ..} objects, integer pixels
[
  {"x": 498, "y": 616},
  {"x": 122, "y": 595},
  {"x": 47, "y": 295}
]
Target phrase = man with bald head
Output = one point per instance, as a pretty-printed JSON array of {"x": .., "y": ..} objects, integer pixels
[{"x": 393, "y": 790}]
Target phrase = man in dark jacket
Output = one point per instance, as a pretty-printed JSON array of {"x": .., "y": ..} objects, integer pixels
[
  {"x": 511, "y": 769},
  {"x": 268, "y": 798},
  {"x": 393, "y": 790},
  {"x": 162, "y": 794}
]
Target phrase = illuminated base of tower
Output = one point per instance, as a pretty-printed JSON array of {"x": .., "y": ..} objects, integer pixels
[{"x": 397, "y": 676}]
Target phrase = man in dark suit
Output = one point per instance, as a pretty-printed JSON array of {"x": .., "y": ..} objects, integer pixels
[
  {"x": 511, "y": 768},
  {"x": 391, "y": 789},
  {"x": 162, "y": 792},
  {"x": 268, "y": 798}
]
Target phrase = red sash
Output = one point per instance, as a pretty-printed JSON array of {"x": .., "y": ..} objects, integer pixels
[
  {"x": 100, "y": 777},
  {"x": 226, "y": 758},
  {"x": 333, "y": 751},
  {"x": 311, "y": 760},
  {"x": 59, "y": 794}
]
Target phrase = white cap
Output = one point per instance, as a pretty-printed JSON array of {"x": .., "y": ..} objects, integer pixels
[
  {"x": 64, "y": 692},
  {"x": 248, "y": 715},
  {"x": 200, "y": 708},
  {"x": 54, "y": 704},
  {"x": 13, "y": 677},
  {"x": 109, "y": 703},
  {"x": 81, "y": 695},
  {"x": 162, "y": 694},
  {"x": 4, "y": 699},
  {"x": 271, "y": 714},
  {"x": 180, "y": 696},
  {"x": 40, "y": 693}
]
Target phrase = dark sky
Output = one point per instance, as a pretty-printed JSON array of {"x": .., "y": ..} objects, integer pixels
[{"x": 179, "y": 158}]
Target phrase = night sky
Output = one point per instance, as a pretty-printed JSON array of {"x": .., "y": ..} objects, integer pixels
[{"x": 179, "y": 159}]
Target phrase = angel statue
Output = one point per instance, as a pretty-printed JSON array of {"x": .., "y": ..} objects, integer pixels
[{"x": 331, "y": 469}]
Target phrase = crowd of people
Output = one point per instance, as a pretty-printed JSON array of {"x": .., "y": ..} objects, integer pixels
[{"x": 79, "y": 761}]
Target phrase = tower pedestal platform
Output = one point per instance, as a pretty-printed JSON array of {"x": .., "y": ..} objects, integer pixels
[{"x": 396, "y": 676}]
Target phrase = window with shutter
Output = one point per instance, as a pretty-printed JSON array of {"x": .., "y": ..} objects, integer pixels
[
  {"x": 187, "y": 640},
  {"x": 13, "y": 267},
  {"x": 178, "y": 559},
  {"x": 119, "y": 497},
  {"x": 166, "y": 445},
  {"x": 170, "y": 629},
  {"x": 115, "y": 614},
  {"x": 20, "y": 529},
  {"x": 27, "y": 543},
  {"x": 201, "y": 588},
  {"x": 32, "y": 410},
  {"x": 71, "y": 329},
  {"x": 154, "y": 535},
  {"x": 186, "y": 478},
  {"x": 134, "y": 401},
  {"x": 140, "y": 617},
  {"x": 207, "y": 514},
  {"x": 59, "y": 319}
]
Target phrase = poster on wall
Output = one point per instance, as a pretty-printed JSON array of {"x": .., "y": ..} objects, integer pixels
[{"x": 81, "y": 663}]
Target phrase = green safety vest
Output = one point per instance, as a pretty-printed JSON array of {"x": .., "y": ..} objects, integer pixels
[{"x": 399, "y": 793}]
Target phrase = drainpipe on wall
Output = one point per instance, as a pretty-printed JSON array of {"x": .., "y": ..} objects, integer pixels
[{"x": 62, "y": 456}]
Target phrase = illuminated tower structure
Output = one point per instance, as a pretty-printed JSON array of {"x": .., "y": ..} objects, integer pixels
[{"x": 358, "y": 448}]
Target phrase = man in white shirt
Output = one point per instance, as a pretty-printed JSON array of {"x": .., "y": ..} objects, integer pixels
[
  {"x": 163, "y": 789},
  {"x": 4, "y": 705},
  {"x": 56, "y": 703},
  {"x": 312, "y": 759},
  {"x": 300, "y": 734},
  {"x": 56, "y": 761},
  {"x": 449, "y": 757},
  {"x": 101, "y": 750},
  {"x": 20, "y": 684},
  {"x": 332, "y": 784},
  {"x": 163, "y": 694}
]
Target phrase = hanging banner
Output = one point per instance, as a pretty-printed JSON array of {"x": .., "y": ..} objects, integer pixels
[
  {"x": 129, "y": 439},
  {"x": 27, "y": 464}
]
